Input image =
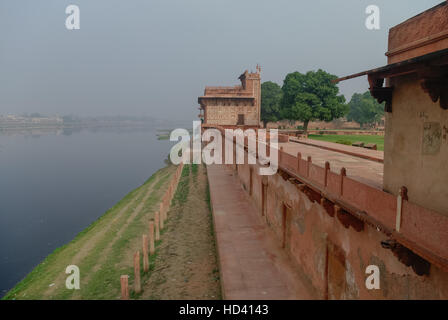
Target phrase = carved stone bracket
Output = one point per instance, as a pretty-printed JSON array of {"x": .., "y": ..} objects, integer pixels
[
  {"x": 348, "y": 220},
  {"x": 328, "y": 206},
  {"x": 437, "y": 88},
  {"x": 380, "y": 93},
  {"x": 312, "y": 195}
]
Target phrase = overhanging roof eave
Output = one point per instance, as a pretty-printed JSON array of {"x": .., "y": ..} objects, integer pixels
[{"x": 437, "y": 58}]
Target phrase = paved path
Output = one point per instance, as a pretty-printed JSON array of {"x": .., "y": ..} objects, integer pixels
[
  {"x": 374, "y": 155},
  {"x": 252, "y": 263},
  {"x": 363, "y": 170}
]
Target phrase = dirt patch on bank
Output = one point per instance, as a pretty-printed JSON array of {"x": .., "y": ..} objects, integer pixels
[{"x": 186, "y": 264}]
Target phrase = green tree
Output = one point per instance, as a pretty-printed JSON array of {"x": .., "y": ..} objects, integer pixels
[
  {"x": 311, "y": 96},
  {"x": 364, "y": 109},
  {"x": 271, "y": 96}
]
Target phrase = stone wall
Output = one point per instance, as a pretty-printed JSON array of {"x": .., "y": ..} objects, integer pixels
[
  {"x": 228, "y": 115},
  {"x": 416, "y": 146},
  {"x": 316, "y": 125},
  {"x": 331, "y": 258}
]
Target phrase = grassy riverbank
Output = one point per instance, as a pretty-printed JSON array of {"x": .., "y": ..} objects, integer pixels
[
  {"x": 104, "y": 250},
  {"x": 186, "y": 264}
]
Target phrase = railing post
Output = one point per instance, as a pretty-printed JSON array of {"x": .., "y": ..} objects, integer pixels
[
  {"x": 151, "y": 238},
  {"x": 327, "y": 168},
  {"x": 137, "y": 283},
  {"x": 299, "y": 158},
  {"x": 161, "y": 219},
  {"x": 402, "y": 195},
  {"x": 280, "y": 156},
  {"x": 145, "y": 253},
  {"x": 164, "y": 212},
  {"x": 343, "y": 174},
  {"x": 157, "y": 225},
  {"x": 124, "y": 287},
  {"x": 308, "y": 164}
]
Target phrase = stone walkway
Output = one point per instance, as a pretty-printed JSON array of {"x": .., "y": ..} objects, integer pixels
[
  {"x": 253, "y": 265},
  {"x": 374, "y": 155},
  {"x": 366, "y": 171}
]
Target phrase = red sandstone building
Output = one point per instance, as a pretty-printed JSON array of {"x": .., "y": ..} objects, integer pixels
[
  {"x": 233, "y": 106},
  {"x": 414, "y": 86},
  {"x": 336, "y": 210}
]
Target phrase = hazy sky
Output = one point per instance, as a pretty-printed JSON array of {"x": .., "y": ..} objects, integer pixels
[{"x": 154, "y": 57}]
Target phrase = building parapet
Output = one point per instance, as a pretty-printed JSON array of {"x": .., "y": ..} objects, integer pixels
[{"x": 417, "y": 36}]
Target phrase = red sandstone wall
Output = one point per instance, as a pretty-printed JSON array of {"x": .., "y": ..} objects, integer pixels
[
  {"x": 330, "y": 258},
  {"x": 319, "y": 125}
]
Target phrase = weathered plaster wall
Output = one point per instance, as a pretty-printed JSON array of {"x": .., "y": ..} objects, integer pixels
[
  {"x": 416, "y": 146},
  {"x": 331, "y": 259}
]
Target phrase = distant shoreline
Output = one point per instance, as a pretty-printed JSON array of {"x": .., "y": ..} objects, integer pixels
[
  {"x": 75, "y": 126},
  {"x": 69, "y": 129}
]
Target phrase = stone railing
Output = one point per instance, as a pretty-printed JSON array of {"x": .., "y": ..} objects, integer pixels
[{"x": 423, "y": 231}]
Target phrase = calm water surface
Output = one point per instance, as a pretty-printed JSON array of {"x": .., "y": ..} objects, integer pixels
[{"x": 54, "y": 184}]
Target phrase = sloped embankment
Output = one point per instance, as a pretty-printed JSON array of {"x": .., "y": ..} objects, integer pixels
[{"x": 186, "y": 266}]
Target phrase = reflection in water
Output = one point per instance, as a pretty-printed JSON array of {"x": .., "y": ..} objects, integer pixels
[{"x": 56, "y": 182}]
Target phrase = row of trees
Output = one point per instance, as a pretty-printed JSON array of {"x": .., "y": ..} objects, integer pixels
[
  {"x": 364, "y": 109},
  {"x": 314, "y": 96}
]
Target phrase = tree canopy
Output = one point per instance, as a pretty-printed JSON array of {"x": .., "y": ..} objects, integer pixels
[
  {"x": 364, "y": 109},
  {"x": 271, "y": 95},
  {"x": 311, "y": 96}
]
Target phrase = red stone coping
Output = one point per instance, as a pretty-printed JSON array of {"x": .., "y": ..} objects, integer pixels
[
  {"x": 211, "y": 92},
  {"x": 364, "y": 153},
  {"x": 236, "y": 87},
  {"x": 334, "y": 132},
  {"x": 362, "y": 170},
  {"x": 228, "y": 96}
]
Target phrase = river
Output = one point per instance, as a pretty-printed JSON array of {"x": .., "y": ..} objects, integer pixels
[{"x": 53, "y": 184}]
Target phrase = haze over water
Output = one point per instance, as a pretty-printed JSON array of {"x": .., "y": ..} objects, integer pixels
[{"x": 54, "y": 185}]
